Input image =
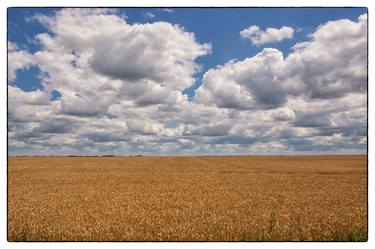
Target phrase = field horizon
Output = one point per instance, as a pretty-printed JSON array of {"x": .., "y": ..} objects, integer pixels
[
  {"x": 199, "y": 198},
  {"x": 199, "y": 155}
]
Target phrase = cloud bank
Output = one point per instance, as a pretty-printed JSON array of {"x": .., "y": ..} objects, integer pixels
[{"x": 122, "y": 84}]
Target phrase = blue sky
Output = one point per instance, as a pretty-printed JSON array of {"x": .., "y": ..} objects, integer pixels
[{"x": 218, "y": 27}]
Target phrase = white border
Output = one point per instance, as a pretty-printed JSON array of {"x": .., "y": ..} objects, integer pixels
[{"x": 185, "y": 3}]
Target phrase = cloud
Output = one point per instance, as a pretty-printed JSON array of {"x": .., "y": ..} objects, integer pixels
[
  {"x": 17, "y": 60},
  {"x": 144, "y": 63},
  {"x": 27, "y": 109},
  {"x": 314, "y": 69},
  {"x": 159, "y": 52},
  {"x": 12, "y": 46},
  {"x": 284, "y": 113},
  {"x": 121, "y": 88},
  {"x": 331, "y": 71},
  {"x": 259, "y": 37},
  {"x": 78, "y": 105},
  {"x": 37, "y": 97},
  {"x": 54, "y": 126},
  {"x": 269, "y": 147},
  {"x": 168, "y": 10},
  {"x": 149, "y": 15},
  {"x": 144, "y": 127},
  {"x": 254, "y": 81},
  {"x": 211, "y": 130},
  {"x": 315, "y": 119}
]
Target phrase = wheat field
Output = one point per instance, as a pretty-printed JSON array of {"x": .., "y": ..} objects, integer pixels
[{"x": 318, "y": 198}]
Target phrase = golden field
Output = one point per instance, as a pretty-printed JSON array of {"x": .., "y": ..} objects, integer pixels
[{"x": 317, "y": 198}]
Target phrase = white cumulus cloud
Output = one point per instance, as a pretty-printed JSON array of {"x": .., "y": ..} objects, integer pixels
[
  {"x": 122, "y": 85},
  {"x": 314, "y": 69},
  {"x": 259, "y": 37}
]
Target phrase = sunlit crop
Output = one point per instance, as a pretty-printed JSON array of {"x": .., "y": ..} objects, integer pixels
[{"x": 187, "y": 198}]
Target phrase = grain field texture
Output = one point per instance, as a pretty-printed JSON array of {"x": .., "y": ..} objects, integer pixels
[{"x": 319, "y": 198}]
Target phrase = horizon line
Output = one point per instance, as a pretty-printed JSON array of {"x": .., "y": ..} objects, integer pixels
[{"x": 186, "y": 155}]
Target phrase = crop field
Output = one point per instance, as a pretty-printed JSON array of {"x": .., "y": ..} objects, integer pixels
[{"x": 319, "y": 198}]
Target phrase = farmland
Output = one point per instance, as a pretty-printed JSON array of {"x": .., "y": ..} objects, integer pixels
[{"x": 305, "y": 198}]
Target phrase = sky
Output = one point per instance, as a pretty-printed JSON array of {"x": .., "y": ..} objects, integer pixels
[{"x": 187, "y": 81}]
